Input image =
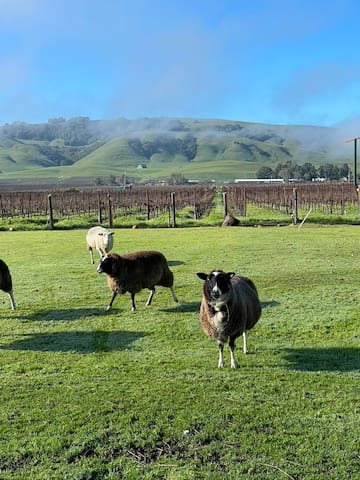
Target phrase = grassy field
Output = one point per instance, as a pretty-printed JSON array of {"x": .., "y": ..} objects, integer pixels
[{"x": 93, "y": 395}]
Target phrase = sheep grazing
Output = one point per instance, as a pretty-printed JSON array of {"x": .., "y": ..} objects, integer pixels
[
  {"x": 229, "y": 307},
  {"x": 6, "y": 282},
  {"x": 134, "y": 271},
  {"x": 101, "y": 239}
]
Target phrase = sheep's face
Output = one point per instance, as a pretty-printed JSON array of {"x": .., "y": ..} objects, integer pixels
[
  {"x": 217, "y": 286},
  {"x": 109, "y": 264},
  {"x": 107, "y": 240}
]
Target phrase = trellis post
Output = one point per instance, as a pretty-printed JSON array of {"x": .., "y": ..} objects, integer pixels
[
  {"x": 295, "y": 206},
  {"x": 244, "y": 202},
  {"x": 195, "y": 208},
  {"x": 110, "y": 211},
  {"x": 173, "y": 210},
  {"x": 99, "y": 209},
  {"x": 147, "y": 205},
  {"x": 51, "y": 215},
  {"x": 225, "y": 204}
]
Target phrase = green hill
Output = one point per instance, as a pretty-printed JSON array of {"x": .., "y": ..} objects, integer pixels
[{"x": 83, "y": 151}]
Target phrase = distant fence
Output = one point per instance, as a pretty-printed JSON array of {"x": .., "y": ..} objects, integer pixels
[
  {"x": 107, "y": 203},
  {"x": 289, "y": 198},
  {"x": 151, "y": 202}
]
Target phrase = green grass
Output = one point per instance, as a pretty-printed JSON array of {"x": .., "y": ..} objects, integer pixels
[{"x": 93, "y": 395}]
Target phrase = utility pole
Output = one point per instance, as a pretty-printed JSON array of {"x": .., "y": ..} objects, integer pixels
[{"x": 355, "y": 139}]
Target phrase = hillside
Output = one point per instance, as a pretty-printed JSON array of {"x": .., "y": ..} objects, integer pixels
[{"x": 83, "y": 151}]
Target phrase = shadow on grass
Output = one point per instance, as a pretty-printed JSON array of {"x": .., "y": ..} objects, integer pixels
[
  {"x": 191, "y": 307},
  {"x": 76, "y": 341},
  {"x": 187, "y": 307},
  {"x": 335, "y": 359},
  {"x": 270, "y": 304},
  {"x": 61, "y": 315},
  {"x": 175, "y": 263}
]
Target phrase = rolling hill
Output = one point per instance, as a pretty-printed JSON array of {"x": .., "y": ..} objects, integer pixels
[{"x": 84, "y": 151}]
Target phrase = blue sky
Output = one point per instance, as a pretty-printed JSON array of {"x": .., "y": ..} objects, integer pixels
[{"x": 271, "y": 61}]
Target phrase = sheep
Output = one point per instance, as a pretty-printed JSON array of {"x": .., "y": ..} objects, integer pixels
[
  {"x": 6, "y": 282},
  {"x": 134, "y": 271},
  {"x": 101, "y": 239},
  {"x": 229, "y": 307}
]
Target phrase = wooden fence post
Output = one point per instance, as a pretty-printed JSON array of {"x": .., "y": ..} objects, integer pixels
[
  {"x": 99, "y": 210},
  {"x": 295, "y": 206},
  {"x": 173, "y": 210},
  {"x": 147, "y": 205},
  {"x": 110, "y": 211},
  {"x": 51, "y": 215},
  {"x": 195, "y": 208},
  {"x": 225, "y": 204}
]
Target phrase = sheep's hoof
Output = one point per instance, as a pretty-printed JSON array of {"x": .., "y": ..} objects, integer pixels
[{"x": 108, "y": 308}]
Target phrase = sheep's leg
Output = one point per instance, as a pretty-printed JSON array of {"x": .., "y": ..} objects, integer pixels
[
  {"x": 133, "y": 307},
  {"x": 173, "y": 295},
  {"x": 152, "y": 291},
  {"x": 221, "y": 356},
  {"x": 91, "y": 256},
  {"x": 12, "y": 300},
  {"x": 233, "y": 362},
  {"x": 111, "y": 301},
  {"x": 245, "y": 350}
]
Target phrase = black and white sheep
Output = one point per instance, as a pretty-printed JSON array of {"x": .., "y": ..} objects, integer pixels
[
  {"x": 132, "y": 272},
  {"x": 100, "y": 239},
  {"x": 229, "y": 307},
  {"x": 6, "y": 282}
]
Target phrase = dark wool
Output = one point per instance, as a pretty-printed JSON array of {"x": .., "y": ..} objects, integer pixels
[{"x": 135, "y": 271}]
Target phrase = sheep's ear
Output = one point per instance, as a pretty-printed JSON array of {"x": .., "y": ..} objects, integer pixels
[
  {"x": 111, "y": 233},
  {"x": 230, "y": 274},
  {"x": 201, "y": 275}
]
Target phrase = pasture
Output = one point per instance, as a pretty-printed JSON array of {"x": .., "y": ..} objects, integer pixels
[{"x": 89, "y": 394}]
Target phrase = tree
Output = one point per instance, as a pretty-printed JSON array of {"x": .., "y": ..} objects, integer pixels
[
  {"x": 265, "y": 172},
  {"x": 177, "y": 179},
  {"x": 285, "y": 170},
  {"x": 344, "y": 171},
  {"x": 98, "y": 181},
  {"x": 307, "y": 172}
]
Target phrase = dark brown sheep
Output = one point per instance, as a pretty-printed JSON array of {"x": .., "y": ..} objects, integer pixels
[
  {"x": 6, "y": 282},
  {"x": 134, "y": 271},
  {"x": 230, "y": 306}
]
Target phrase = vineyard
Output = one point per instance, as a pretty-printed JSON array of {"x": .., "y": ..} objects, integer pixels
[
  {"x": 107, "y": 204},
  {"x": 146, "y": 203},
  {"x": 329, "y": 198}
]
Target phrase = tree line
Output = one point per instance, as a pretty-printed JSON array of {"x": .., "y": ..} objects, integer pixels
[
  {"x": 79, "y": 131},
  {"x": 306, "y": 172}
]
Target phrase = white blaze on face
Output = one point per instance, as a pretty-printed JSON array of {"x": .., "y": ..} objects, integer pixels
[
  {"x": 99, "y": 267},
  {"x": 216, "y": 290}
]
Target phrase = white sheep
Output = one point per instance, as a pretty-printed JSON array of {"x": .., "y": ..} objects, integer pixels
[{"x": 101, "y": 239}]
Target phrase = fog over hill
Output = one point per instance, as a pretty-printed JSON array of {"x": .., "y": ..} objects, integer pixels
[{"x": 220, "y": 149}]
